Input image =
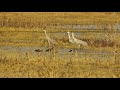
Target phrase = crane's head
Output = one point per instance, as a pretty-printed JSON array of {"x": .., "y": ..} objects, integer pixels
[
  {"x": 44, "y": 31},
  {"x": 68, "y": 32}
]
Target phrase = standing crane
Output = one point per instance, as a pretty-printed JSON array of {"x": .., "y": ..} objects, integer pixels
[
  {"x": 79, "y": 42},
  {"x": 50, "y": 42},
  {"x": 71, "y": 40}
]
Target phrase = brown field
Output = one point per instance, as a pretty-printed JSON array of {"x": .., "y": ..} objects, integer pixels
[{"x": 22, "y": 32}]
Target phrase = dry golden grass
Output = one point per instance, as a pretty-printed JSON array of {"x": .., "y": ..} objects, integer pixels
[
  {"x": 26, "y": 29},
  {"x": 42, "y": 19},
  {"x": 15, "y": 65}
]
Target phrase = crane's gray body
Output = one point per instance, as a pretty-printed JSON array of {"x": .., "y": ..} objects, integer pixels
[
  {"x": 50, "y": 41},
  {"x": 79, "y": 42}
]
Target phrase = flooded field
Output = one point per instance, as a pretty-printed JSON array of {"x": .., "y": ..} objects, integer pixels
[
  {"x": 38, "y": 45},
  {"x": 22, "y": 42}
]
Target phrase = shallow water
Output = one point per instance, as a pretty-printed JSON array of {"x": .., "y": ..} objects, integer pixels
[
  {"x": 61, "y": 51},
  {"x": 21, "y": 52}
]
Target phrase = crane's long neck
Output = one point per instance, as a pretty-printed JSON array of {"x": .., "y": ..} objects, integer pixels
[
  {"x": 46, "y": 35},
  {"x": 69, "y": 35},
  {"x": 73, "y": 36}
]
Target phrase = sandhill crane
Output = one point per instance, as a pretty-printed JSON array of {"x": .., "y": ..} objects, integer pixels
[
  {"x": 70, "y": 38},
  {"x": 50, "y": 41},
  {"x": 79, "y": 42}
]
